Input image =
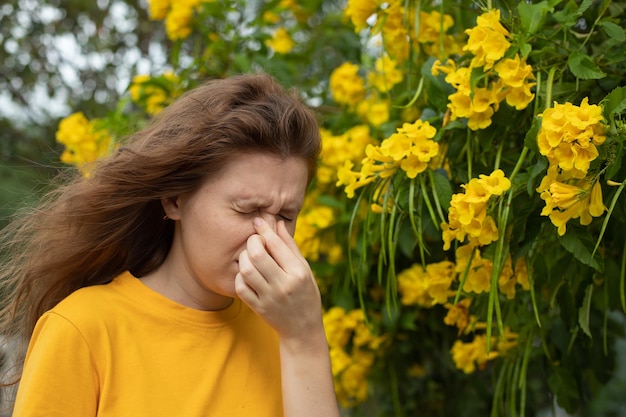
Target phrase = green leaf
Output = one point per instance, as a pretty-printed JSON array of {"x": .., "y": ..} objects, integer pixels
[
  {"x": 613, "y": 31},
  {"x": 573, "y": 242},
  {"x": 583, "y": 311},
  {"x": 532, "y": 15},
  {"x": 443, "y": 189},
  {"x": 583, "y": 67},
  {"x": 530, "y": 140},
  {"x": 584, "y": 6},
  {"x": 568, "y": 16},
  {"x": 614, "y": 102}
]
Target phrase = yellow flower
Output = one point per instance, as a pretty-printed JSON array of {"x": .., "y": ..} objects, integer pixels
[
  {"x": 153, "y": 93},
  {"x": 281, "y": 42},
  {"x": 565, "y": 201},
  {"x": 469, "y": 356},
  {"x": 178, "y": 21},
  {"x": 339, "y": 360},
  {"x": 337, "y": 327},
  {"x": 359, "y": 11},
  {"x": 394, "y": 30},
  {"x": 569, "y": 135},
  {"x": 467, "y": 215},
  {"x": 521, "y": 273},
  {"x": 495, "y": 183},
  {"x": 159, "y": 9},
  {"x": 520, "y": 97},
  {"x": 346, "y": 86},
  {"x": 386, "y": 74},
  {"x": 348, "y": 178},
  {"x": 431, "y": 25},
  {"x": 337, "y": 149},
  {"x": 448, "y": 67},
  {"x": 84, "y": 141},
  {"x": 487, "y": 46},
  {"x": 507, "y": 280},
  {"x": 458, "y": 315},
  {"x": 487, "y": 40},
  {"x": 596, "y": 205},
  {"x": 426, "y": 287},
  {"x": 514, "y": 71},
  {"x": 374, "y": 111}
]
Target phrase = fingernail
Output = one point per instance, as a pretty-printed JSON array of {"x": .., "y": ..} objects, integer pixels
[{"x": 258, "y": 222}]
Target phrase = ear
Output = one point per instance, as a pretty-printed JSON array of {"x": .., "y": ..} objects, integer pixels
[{"x": 172, "y": 207}]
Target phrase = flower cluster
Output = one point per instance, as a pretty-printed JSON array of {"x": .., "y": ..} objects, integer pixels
[
  {"x": 353, "y": 349},
  {"x": 311, "y": 237},
  {"x": 346, "y": 85},
  {"x": 509, "y": 79},
  {"x": 178, "y": 15},
  {"x": 568, "y": 137},
  {"x": 468, "y": 215},
  {"x": 410, "y": 149},
  {"x": 472, "y": 355},
  {"x": 431, "y": 24},
  {"x": 336, "y": 149},
  {"x": 428, "y": 286},
  {"x": 281, "y": 41},
  {"x": 389, "y": 22},
  {"x": 477, "y": 272},
  {"x": 153, "y": 93},
  {"x": 85, "y": 142},
  {"x": 367, "y": 99}
]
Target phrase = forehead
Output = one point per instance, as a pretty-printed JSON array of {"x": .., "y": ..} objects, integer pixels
[{"x": 262, "y": 179}]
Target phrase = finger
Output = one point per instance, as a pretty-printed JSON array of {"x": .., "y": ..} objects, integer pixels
[
  {"x": 286, "y": 237},
  {"x": 244, "y": 291},
  {"x": 277, "y": 248},
  {"x": 250, "y": 274}
]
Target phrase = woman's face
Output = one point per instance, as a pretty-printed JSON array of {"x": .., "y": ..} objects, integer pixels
[{"x": 214, "y": 223}]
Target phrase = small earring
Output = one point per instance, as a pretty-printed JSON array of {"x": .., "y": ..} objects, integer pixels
[{"x": 165, "y": 217}]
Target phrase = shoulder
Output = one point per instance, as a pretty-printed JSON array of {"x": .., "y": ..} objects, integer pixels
[{"x": 91, "y": 303}]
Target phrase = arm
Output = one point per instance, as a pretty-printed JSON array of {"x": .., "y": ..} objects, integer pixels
[{"x": 277, "y": 283}]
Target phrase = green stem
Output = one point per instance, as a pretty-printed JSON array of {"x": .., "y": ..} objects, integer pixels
[
  {"x": 523, "y": 373},
  {"x": 549, "y": 84},
  {"x": 499, "y": 256},
  {"x": 496, "y": 164},
  {"x": 437, "y": 203},
  {"x": 622, "y": 283},
  {"x": 468, "y": 149},
  {"x": 595, "y": 23},
  {"x": 397, "y": 407}
]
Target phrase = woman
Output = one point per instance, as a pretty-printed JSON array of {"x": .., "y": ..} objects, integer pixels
[{"x": 167, "y": 282}]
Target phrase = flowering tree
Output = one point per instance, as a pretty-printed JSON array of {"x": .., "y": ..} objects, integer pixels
[{"x": 466, "y": 223}]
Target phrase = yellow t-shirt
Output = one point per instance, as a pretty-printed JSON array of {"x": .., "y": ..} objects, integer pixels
[{"x": 123, "y": 350}]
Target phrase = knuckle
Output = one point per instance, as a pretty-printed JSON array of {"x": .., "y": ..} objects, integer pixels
[
  {"x": 256, "y": 253},
  {"x": 246, "y": 269}
]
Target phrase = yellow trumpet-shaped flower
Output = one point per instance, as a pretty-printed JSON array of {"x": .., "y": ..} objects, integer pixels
[
  {"x": 84, "y": 141},
  {"x": 281, "y": 42}
]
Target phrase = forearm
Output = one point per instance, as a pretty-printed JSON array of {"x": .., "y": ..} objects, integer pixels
[{"x": 307, "y": 381}]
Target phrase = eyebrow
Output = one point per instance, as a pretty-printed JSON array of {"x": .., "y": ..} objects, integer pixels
[{"x": 260, "y": 203}]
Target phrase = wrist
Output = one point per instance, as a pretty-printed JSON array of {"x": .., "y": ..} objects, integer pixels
[{"x": 312, "y": 343}]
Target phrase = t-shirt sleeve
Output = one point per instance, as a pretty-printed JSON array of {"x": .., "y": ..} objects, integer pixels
[{"x": 59, "y": 377}]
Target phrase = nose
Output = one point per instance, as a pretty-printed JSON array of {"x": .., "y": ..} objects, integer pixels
[{"x": 271, "y": 220}]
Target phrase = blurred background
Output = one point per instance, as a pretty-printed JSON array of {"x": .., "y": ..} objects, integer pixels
[{"x": 55, "y": 57}]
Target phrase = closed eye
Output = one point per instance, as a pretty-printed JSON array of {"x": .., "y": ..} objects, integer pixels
[{"x": 285, "y": 218}]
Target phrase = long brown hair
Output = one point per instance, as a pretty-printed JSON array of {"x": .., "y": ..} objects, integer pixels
[{"x": 89, "y": 230}]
